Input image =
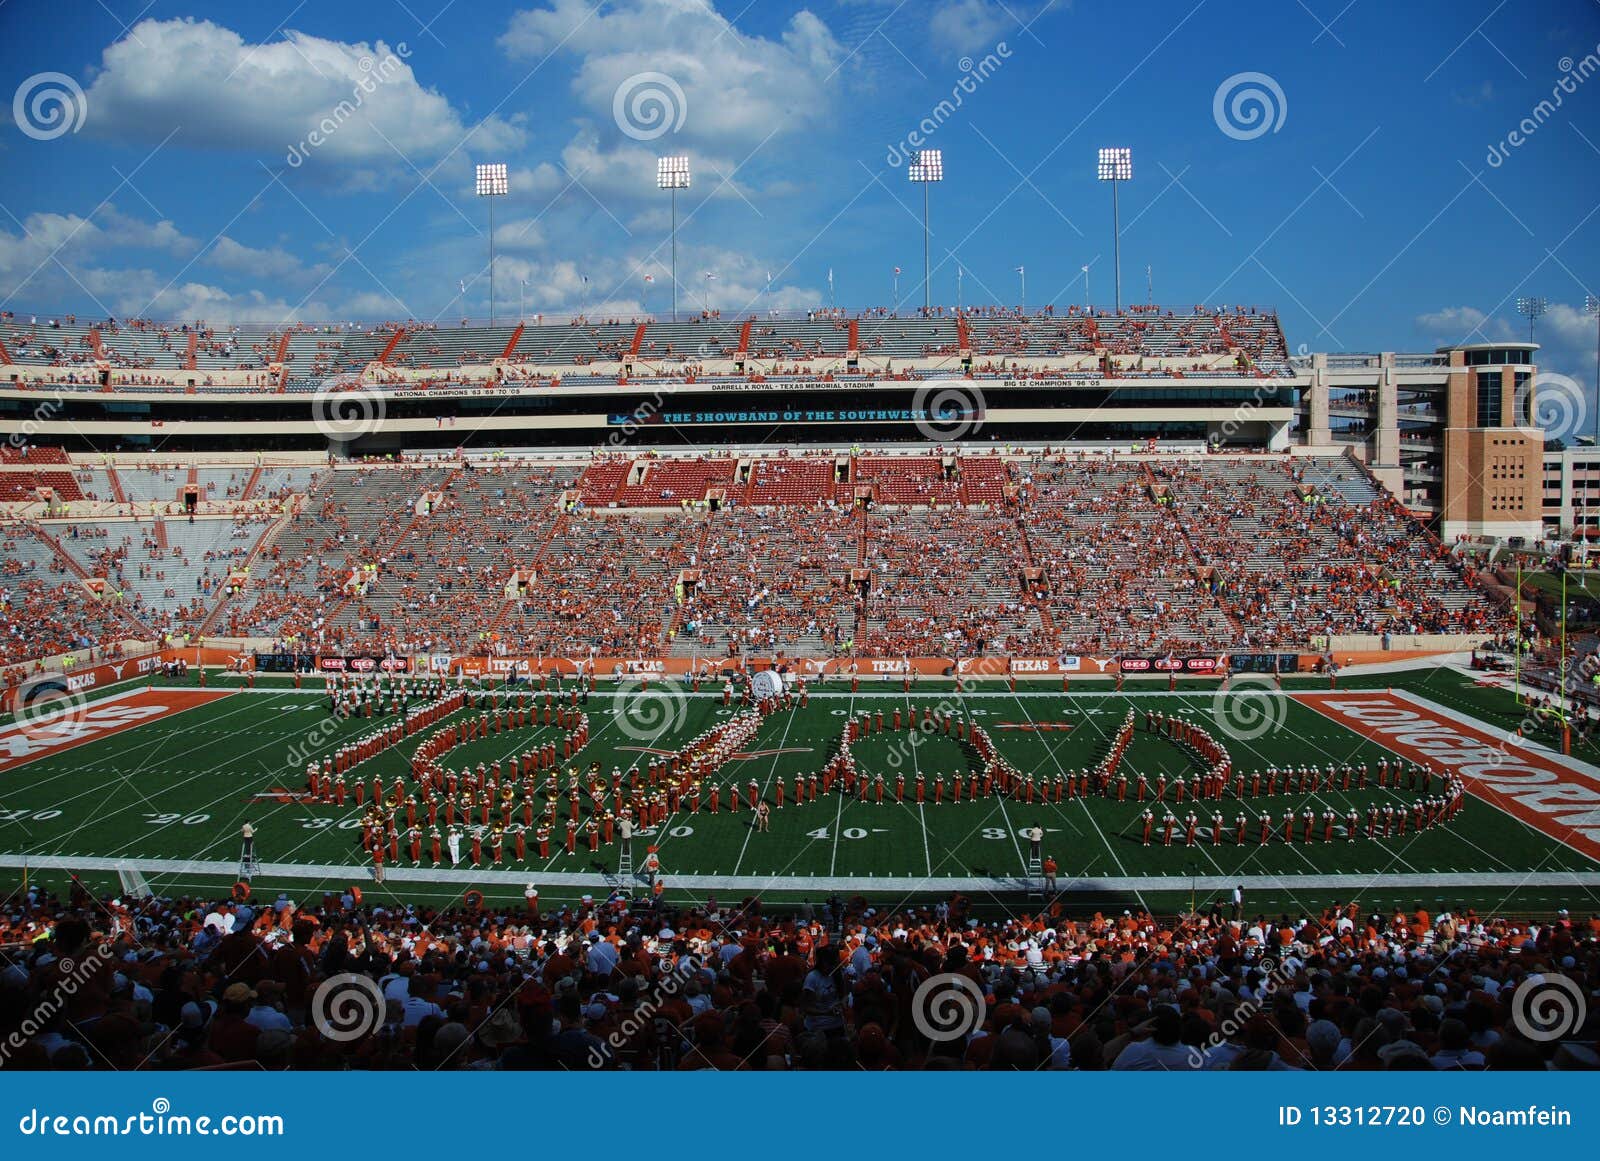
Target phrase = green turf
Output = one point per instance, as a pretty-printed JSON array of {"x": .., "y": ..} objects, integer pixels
[{"x": 180, "y": 789}]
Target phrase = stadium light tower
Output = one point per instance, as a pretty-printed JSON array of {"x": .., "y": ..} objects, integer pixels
[
  {"x": 672, "y": 173},
  {"x": 1530, "y": 308},
  {"x": 1591, "y": 305},
  {"x": 925, "y": 170},
  {"x": 492, "y": 183},
  {"x": 1116, "y": 165}
]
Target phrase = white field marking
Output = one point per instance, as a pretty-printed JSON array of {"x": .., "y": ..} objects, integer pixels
[
  {"x": 744, "y": 846},
  {"x": 1105, "y": 843},
  {"x": 838, "y": 816},
  {"x": 478, "y": 876},
  {"x": 126, "y": 777}
]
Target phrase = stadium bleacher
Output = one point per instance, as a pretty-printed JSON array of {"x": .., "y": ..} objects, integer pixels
[{"x": 812, "y": 555}]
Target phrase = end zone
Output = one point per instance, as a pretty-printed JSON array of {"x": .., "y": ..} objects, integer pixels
[
  {"x": 21, "y": 743},
  {"x": 1557, "y": 796}
]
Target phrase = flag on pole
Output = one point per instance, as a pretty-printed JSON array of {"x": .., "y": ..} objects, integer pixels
[
  {"x": 649, "y": 277},
  {"x": 461, "y": 286},
  {"x": 897, "y": 271},
  {"x": 1019, "y": 270}
]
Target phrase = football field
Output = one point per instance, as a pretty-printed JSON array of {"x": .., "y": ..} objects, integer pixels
[{"x": 157, "y": 779}]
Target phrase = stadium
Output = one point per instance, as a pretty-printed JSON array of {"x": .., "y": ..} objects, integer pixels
[{"x": 797, "y": 666}]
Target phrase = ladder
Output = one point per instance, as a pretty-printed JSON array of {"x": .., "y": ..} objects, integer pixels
[
  {"x": 133, "y": 882},
  {"x": 1035, "y": 877},
  {"x": 625, "y": 860},
  {"x": 249, "y": 865}
]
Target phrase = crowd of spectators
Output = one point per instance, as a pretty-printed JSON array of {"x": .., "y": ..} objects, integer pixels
[
  {"x": 1064, "y": 553},
  {"x": 606, "y": 984}
]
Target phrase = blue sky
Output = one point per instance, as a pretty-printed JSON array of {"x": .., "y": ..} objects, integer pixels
[{"x": 1370, "y": 213}]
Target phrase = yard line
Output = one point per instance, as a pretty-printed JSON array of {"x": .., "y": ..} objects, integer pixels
[
  {"x": 1105, "y": 843},
  {"x": 912, "y": 738},
  {"x": 776, "y": 758},
  {"x": 838, "y": 818},
  {"x": 99, "y": 789}
]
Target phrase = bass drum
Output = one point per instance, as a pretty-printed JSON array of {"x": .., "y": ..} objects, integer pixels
[{"x": 767, "y": 683}]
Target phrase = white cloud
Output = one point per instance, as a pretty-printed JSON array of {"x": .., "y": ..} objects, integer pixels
[
  {"x": 972, "y": 27},
  {"x": 737, "y": 88},
  {"x": 1463, "y": 324},
  {"x": 326, "y": 101},
  {"x": 237, "y": 258},
  {"x": 519, "y": 235},
  {"x": 46, "y": 239}
]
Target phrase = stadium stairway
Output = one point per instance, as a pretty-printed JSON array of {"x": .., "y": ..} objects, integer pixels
[
  {"x": 1194, "y": 555},
  {"x": 250, "y": 484},
  {"x": 497, "y": 622},
  {"x": 1046, "y": 622},
  {"x": 391, "y": 546}
]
